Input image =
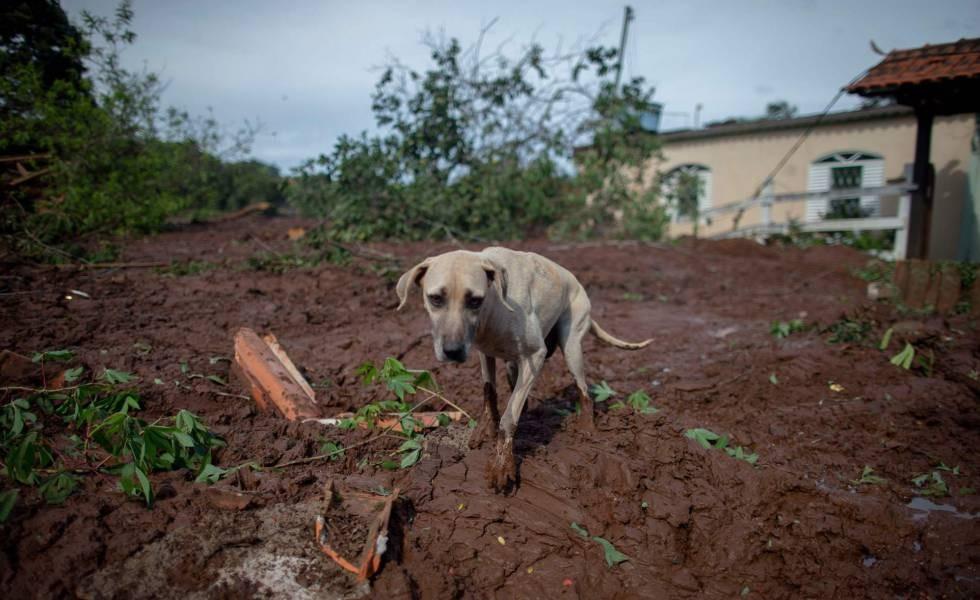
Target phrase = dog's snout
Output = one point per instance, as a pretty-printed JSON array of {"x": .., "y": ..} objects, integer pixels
[{"x": 455, "y": 353}]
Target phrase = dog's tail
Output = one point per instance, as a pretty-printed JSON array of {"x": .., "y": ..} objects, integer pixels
[{"x": 605, "y": 336}]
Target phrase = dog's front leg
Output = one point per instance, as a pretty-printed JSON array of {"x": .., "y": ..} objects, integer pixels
[
  {"x": 486, "y": 430},
  {"x": 502, "y": 468}
]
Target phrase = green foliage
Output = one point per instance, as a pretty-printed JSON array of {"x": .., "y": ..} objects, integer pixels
[
  {"x": 402, "y": 383},
  {"x": 639, "y": 401},
  {"x": 99, "y": 428},
  {"x": 475, "y": 146},
  {"x": 936, "y": 484},
  {"x": 847, "y": 331},
  {"x": 602, "y": 391},
  {"x": 904, "y": 358},
  {"x": 113, "y": 160},
  {"x": 868, "y": 477},
  {"x": 8, "y": 498},
  {"x": 783, "y": 329},
  {"x": 710, "y": 440}
]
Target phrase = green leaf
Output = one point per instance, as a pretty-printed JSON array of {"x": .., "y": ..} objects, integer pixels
[
  {"x": 332, "y": 448},
  {"x": 401, "y": 384},
  {"x": 580, "y": 530},
  {"x": 210, "y": 474},
  {"x": 472, "y": 424},
  {"x": 773, "y": 379},
  {"x": 144, "y": 485},
  {"x": 702, "y": 436},
  {"x": 72, "y": 375},
  {"x": 602, "y": 391},
  {"x": 183, "y": 439},
  {"x": 411, "y": 458},
  {"x": 867, "y": 477},
  {"x": 390, "y": 465},
  {"x": 184, "y": 368},
  {"x": 617, "y": 406},
  {"x": 613, "y": 556},
  {"x": 920, "y": 480},
  {"x": 412, "y": 444},
  {"x": 886, "y": 339},
  {"x": 904, "y": 358},
  {"x": 55, "y": 355},
  {"x": 157, "y": 381},
  {"x": 114, "y": 377},
  {"x": 8, "y": 498},
  {"x": 57, "y": 488},
  {"x": 444, "y": 420},
  {"x": 367, "y": 372},
  {"x": 216, "y": 379}
]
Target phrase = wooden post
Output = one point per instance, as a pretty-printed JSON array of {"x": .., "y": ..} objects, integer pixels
[
  {"x": 767, "y": 207},
  {"x": 920, "y": 209},
  {"x": 900, "y": 249}
]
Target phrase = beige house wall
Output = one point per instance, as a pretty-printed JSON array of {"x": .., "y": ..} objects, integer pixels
[{"x": 739, "y": 163}]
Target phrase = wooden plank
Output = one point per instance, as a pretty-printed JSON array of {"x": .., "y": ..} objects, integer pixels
[
  {"x": 272, "y": 382},
  {"x": 870, "y": 224},
  {"x": 885, "y": 190}
]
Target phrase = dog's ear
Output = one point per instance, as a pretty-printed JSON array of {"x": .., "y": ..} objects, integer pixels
[
  {"x": 497, "y": 276},
  {"x": 410, "y": 279}
]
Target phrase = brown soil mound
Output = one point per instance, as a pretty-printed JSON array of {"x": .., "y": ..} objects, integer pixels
[{"x": 693, "y": 522}]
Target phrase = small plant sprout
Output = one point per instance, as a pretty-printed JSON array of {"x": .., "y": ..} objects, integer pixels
[
  {"x": 783, "y": 329},
  {"x": 602, "y": 391},
  {"x": 773, "y": 379},
  {"x": 868, "y": 477},
  {"x": 886, "y": 339},
  {"x": 931, "y": 484},
  {"x": 904, "y": 358},
  {"x": 710, "y": 440},
  {"x": 640, "y": 402},
  {"x": 611, "y": 554}
]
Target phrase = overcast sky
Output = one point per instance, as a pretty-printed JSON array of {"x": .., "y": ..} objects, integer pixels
[{"x": 306, "y": 69}]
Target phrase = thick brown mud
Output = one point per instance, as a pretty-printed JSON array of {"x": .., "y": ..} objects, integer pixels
[{"x": 692, "y": 522}]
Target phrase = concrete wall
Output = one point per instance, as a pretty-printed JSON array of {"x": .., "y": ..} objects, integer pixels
[{"x": 740, "y": 162}]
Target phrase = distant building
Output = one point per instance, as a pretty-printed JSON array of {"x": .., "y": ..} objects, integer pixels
[{"x": 865, "y": 148}]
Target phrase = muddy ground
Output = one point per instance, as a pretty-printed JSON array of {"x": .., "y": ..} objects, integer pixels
[{"x": 693, "y": 522}]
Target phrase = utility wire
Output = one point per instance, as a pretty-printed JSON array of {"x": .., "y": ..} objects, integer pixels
[{"x": 806, "y": 133}]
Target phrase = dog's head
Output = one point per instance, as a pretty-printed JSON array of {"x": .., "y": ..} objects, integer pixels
[{"x": 458, "y": 289}]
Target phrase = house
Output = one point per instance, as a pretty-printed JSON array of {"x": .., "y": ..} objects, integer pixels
[{"x": 871, "y": 148}]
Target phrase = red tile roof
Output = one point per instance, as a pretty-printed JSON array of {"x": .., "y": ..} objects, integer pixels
[{"x": 928, "y": 64}]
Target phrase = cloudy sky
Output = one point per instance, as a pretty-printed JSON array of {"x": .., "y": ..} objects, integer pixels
[{"x": 306, "y": 69}]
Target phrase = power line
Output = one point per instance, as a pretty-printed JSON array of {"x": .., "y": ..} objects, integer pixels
[{"x": 806, "y": 134}]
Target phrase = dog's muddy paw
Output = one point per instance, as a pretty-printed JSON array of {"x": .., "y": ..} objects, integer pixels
[
  {"x": 502, "y": 468},
  {"x": 485, "y": 432},
  {"x": 584, "y": 423}
]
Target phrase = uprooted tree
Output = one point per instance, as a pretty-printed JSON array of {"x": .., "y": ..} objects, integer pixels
[{"x": 483, "y": 145}]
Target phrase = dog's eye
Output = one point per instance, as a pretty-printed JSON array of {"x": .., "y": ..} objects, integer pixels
[
  {"x": 474, "y": 302},
  {"x": 436, "y": 301}
]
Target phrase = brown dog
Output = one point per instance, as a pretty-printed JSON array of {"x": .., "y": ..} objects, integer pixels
[{"x": 515, "y": 306}]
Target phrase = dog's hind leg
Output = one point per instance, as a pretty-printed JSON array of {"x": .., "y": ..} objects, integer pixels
[
  {"x": 574, "y": 326},
  {"x": 486, "y": 430}
]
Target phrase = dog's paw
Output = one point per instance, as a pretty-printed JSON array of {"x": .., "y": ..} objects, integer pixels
[
  {"x": 585, "y": 423},
  {"x": 485, "y": 432},
  {"x": 502, "y": 468}
]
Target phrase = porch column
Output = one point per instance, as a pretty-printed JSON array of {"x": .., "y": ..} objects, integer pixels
[{"x": 920, "y": 211}]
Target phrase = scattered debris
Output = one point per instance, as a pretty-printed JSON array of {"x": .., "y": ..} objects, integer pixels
[
  {"x": 421, "y": 420},
  {"x": 274, "y": 379},
  {"x": 346, "y": 512}
]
